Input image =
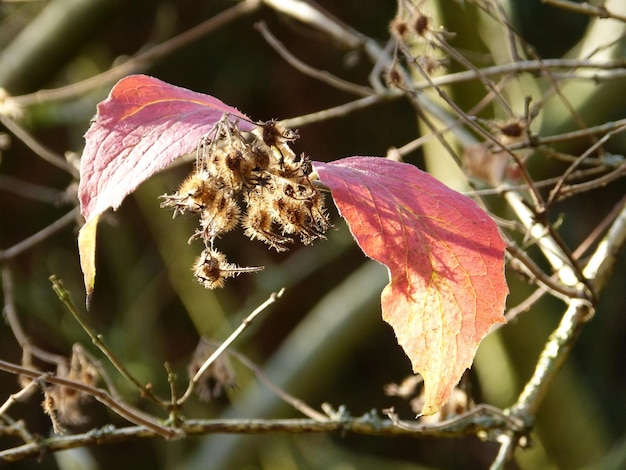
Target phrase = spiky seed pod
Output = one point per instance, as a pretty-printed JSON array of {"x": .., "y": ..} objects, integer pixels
[
  {"x": 211, "y": 269},
  {"x": 216, "y": 220},
  {"x": 399, "y": 29},
  {"x": 277, "y": 137},
  {"x": 274, "y": 134},
  {"x": 195, "y": 193},
  {"x": 258, "y": 225},
  {"x": 421, "y": 23},
  {"x": 260, "y": 169},
  {"x": 260, "y": 157}
]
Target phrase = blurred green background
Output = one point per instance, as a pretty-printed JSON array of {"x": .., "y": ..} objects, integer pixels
[{"x": 324, "y": 340}]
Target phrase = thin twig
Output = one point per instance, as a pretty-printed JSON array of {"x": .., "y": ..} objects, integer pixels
[
  {"x": 306, "y": 69},
  {"x": 523, "y": 306},
  {"x": 15, "y": 397},
  {"x": 440, "y": 42},
  {"x": 534, "y": 193},
  {"x": 123, "y": 409},
  {"x": 10, "y": 313},
  {"x": 572, "y": 189},
  {"x": 541, "y": 278},
  {"x": 586, "y": 8},
  {"x": 526, "y": 66},
  {"x": 548, "y": 182},
  {"x": 561, "y": 264},
  {"x": 96, "y": 339},
  {"x": 557, "y": 188},
  {"x": 566, "y": 136},
  {"x": 141, "y": 60},
  {"x": 462, "y": 421},
  {"x": 45, "y": 153},
  {"x": 30, "y": 191},
  {"x": 220, "y": 350},
  {"x": 339, "y": 111},
  {"x": 297, "y": 403},
  {"x": 38, "y": 237}
]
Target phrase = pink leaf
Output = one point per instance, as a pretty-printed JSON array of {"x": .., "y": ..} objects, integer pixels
[
  {"x": 445, "y": 259},
  {"x": 141, "y": 127}
]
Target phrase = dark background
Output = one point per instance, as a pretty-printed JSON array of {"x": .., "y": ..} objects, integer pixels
[{"x": 142, "y": 301}]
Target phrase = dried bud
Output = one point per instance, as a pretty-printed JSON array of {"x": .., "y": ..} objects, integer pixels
[
  {"x": 219, "y": 376},
  {"x": 260, "y": 170},
  {"x": 211, "y": 269},
  {"x": 275, "y": 134},
  {"x": 221, "y": 216},
  {"x": 63, "y": 404},
  {"x": 195, "y": 193},
  {"x": 421, "y": 23},
  {"x": 486, "y": 165},
  {"x": 511, "y": 131},
  {"x": 399, "y": 29},
  {"x": 258, "y": 222},
  {"x": 393, "y": 78}
]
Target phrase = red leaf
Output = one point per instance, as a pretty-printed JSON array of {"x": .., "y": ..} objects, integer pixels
[
  {"x": 141, "y": 127},
  {"x": 445, "y": 259}
]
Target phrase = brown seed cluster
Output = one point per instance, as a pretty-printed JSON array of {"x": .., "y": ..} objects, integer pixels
[
  {"x": 219, "y": 377},
  {"x": 63, "y": 404},
  {"x": 253, "y": 179}
]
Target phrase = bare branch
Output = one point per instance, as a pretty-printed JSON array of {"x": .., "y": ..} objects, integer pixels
[
  {"x": 96, "y": 339},
  {"x": 602, "y": 263},
  {"x": 32, "y": 143},
  {"x": 482, "y": 418},
  {"x": 586, "y": 8},
  {"x": 38, "y": 237},
  {"x": 339, "y": 111},
  {"x": 234, "y": 335},
  {"x": 140, "y": 61},
  {"x": 320, "y": 75},
  {"x": 123, "y": 409}
]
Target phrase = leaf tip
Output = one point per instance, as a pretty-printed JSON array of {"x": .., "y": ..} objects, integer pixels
[{"x": 87, "y": 253}]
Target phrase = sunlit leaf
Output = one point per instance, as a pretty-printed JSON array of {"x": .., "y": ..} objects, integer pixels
[
  {"x": 141, "y": 127},
  {"x": 445, "y": 259}
]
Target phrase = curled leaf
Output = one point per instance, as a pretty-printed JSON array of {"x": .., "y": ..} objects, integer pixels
[
  {"x": 445, "y": 259},
  {"x": 140, "y": 128},
  {"x": 87, "y": 250}
]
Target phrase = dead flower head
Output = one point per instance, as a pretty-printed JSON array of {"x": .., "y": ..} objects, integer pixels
[{"x": 253, "y": 179}]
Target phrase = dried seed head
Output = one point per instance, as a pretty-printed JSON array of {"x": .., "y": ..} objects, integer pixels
[
  {"x": 63, "y": 404},
  {"x": 275, "y": 134},
  {"x": 211, "y": 269},
  {"x": 399, "y": 29},
  {"x": 258, "y": 225},
  {"x": 260, "y": 157},
  {"x": 431, "y": 64},
  {"x": 193, "y": 195},
  {"x": 513, "y": 131},
  {"x": 393, "y": 78},
  {"x": 215, "y": 220},
  {"x": 260, "y": 170},
  {"x": 219, "y": 376},
  {"x": 421, "y": 23}
]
